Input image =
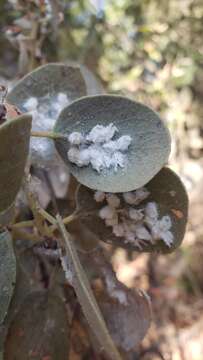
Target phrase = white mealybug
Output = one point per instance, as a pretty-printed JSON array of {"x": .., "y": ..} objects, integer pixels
[
  {"x": 123, "y": 142},
  {"x": 137, "y": 226},
  {"x": 31, "y": 104},
  {"x": 113, "y": 200},
  {"x": 99, "y": 196},
  {"x": 102, "y": 151},
  {"x": 76, "y": 138},
  {"x": 135, "y": 214},
  {"x": 101, "y": 134},
  {"x": 107, "y": 212}
]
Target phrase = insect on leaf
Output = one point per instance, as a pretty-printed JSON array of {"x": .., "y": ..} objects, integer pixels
[{"x": 146, "y": 155}]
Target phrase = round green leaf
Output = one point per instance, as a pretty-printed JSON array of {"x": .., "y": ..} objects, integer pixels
[
  {"x": 147, "y": 154},
  {"x": 49, "y": 80},
  {"x": 44, "y": 84},
  {"x": 14, "y": 147},
  {"x": 166, "y": 189},
  {"x": 7, "y": 273}
]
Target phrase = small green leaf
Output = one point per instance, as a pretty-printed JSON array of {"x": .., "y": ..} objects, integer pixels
[
  {"x": 166, "y": 189},
  {"x": 147, "y": 154},
  {"x": 50, "y": 80},
  {"x": 14, "y": 147},
  {"x": 7, "y": 273},
  {"x": 39, "y": 330}
]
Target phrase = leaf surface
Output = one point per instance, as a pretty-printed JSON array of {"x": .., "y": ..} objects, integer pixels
[
  {"x": 166, "y": 189},
  {"x": 14, "y": 148},
  {"x": 7, "y": 273},
  {"x": 146, "y": 155},
  {"x": 49, "y": 80}
]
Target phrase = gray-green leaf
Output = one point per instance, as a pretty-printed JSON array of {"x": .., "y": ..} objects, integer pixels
[
  {"x": 166, "y": 189},
  {"x": 49, "y": 80},
  {"x": 14, "y": 147},
  {"x": 44, "y": 84},
  {"x": 7, "y": 273},
  {"x": 147, "y": 153}
]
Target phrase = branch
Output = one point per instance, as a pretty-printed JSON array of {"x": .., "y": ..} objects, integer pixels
[{"x": 86, "y": 297}]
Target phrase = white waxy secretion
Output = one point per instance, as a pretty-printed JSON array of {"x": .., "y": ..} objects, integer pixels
[
  {"x": 99, "y": 196},
  {"x": 135, "y": 225},
  {"x": 76, "y": 138},
  {"x": 45, "y": 111},
  {"x": 98, "y": 149}
]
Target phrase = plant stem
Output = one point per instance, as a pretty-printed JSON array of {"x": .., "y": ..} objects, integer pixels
[
  {"x": 47, "y": 216},
  {"x": 23, "y": 224},
  {"x": 65, "y": 220},
  {"x": 86, "y": 297},
  {"x": 24, "y": 235},
  {"x": 48, "y": 134}
]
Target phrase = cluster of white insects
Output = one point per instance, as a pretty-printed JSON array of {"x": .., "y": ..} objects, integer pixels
[
  {"x": 44, "y": 114},
  {"x": 98, "y": 149},
  {"x": 134, "y": 225}
]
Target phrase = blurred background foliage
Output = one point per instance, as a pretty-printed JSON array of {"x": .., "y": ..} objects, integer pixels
[{"x": 151, "y": 51}]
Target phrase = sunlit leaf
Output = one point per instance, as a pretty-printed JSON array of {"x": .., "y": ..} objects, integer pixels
[
  {"x": 166, "y": 189},
  {"x": 14, "y": 147},
  {"x": 147, "y": 154},
  {"x": 49, "y": 80}
]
